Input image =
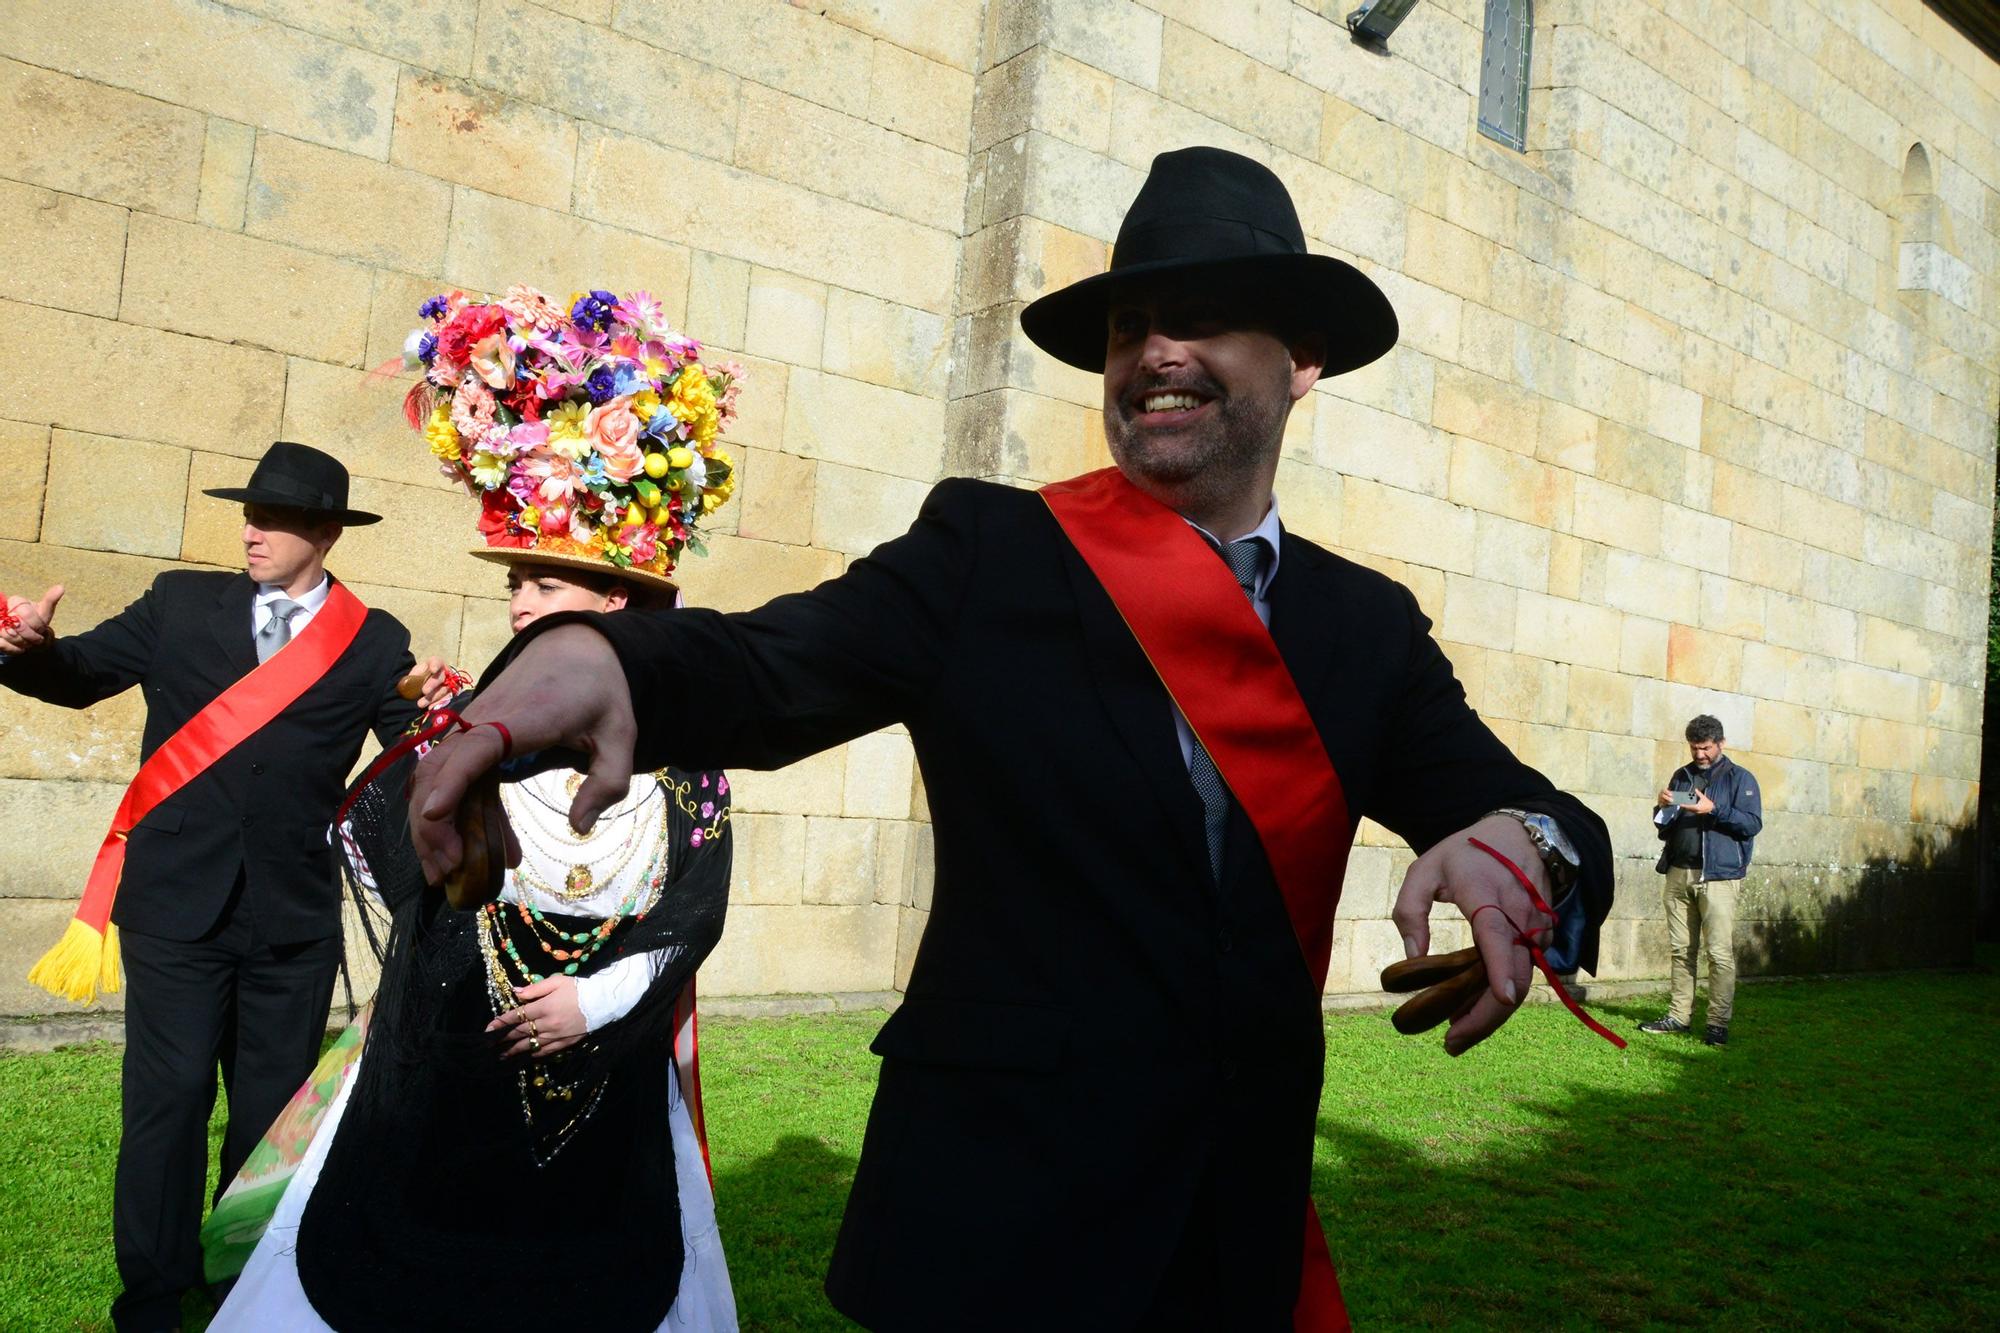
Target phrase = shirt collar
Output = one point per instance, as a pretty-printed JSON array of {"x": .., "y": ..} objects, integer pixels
[
  {"x": 1270, "y": 530},
  {"x": 311, "y": 601}
]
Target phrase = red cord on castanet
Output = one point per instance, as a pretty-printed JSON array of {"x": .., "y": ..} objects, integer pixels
[{"x": 1541, "y": 960}]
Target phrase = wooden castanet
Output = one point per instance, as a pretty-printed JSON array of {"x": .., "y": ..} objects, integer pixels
[
  {"x": 482, "y": 830},
  {"x": 411, "y": 687},
  {"x": 1424, "y": 1011},
  {"x": 1426, "y": 970}
]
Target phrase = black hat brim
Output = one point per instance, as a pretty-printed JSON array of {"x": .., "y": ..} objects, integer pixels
[
  {"x": 352, "y": 518},
  {"x": 1315, "y": 294}
]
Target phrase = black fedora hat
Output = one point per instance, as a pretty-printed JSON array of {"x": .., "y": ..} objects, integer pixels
[
  {"x": 298, "y": 476},
  {"x": 1218, "y": 214}
]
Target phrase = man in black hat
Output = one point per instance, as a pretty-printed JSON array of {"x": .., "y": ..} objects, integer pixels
[
  {"x": 1148, "y": 719},
  {"x": 228, "y": 908}
]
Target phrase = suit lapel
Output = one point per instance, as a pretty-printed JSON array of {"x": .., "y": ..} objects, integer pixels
[
  {"x": 230, "y": 623},
  {"x": 1140, "y": 710},
  {"x": 1307, "y": 611}
]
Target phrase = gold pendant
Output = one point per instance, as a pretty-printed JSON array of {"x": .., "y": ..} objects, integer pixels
[{"x": 578, "y": 882}]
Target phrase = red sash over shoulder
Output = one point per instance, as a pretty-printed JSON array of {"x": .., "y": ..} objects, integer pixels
[
  {"x": 1197, "y": 628},
  {"x": 85, "y": 960}
]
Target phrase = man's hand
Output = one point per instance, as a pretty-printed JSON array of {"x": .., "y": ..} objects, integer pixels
[
  {"x": 436, "y": 688},
  {"x": 29, "y": 625},
  {"x": 1665, "y": 799},
  {"x": 565, "y": 689},
  {"x": 1455, "y": 871},
  {"x": 1702, "y": 805}
]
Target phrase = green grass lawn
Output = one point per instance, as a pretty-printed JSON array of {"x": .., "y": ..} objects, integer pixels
[{"x": 1836, "y": 1166}]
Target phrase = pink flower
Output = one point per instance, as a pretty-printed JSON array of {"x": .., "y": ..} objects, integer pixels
[
  {"x": 614, "y": 431},
  {"x": 554, "y": 476},
  {"x": 492, "y": 359},
  {"x": 708, "y": 809},
  {"x": 722, "y": 785},
  {"x": 694, "y": 839},
  {"x": 472, "y": 409},
  {"x": 643, "y": 542},
  {"x": 529, "y": 306}
]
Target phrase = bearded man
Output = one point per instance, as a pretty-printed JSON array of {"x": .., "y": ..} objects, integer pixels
[{"x": 1148, "y": 719}]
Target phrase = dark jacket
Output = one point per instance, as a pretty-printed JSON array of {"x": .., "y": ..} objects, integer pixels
[
  {"x": 1728, "y": 833},
  {"x": 262, "y": 809},
  {"x": 1089, "y": 1023}
]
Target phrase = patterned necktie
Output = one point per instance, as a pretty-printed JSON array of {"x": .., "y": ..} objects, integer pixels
[
  {"x": 1246, "y": 561},
  {"x": 277, "y": 631}
]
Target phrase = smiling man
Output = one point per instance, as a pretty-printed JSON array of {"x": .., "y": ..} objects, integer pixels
[
  {"x": 260, "y": 690},
  {"x": 1148, "y": 720}
]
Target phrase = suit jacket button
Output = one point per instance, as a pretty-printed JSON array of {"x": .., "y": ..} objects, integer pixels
[{"x": 256, "y": 768}]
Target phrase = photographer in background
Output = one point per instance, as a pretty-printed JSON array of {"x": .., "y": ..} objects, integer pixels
[{"x": 1708, "y": 817}]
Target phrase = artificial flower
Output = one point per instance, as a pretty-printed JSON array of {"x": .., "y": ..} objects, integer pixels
[
  {"x": 489, "y": 470},
  {"x": 614, "y": 432},
  {"x": 493, "y": 361}
]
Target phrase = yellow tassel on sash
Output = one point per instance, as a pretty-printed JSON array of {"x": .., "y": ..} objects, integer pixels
[{"x": 82, "y": 964}]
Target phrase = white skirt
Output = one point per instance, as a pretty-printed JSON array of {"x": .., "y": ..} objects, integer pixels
[{"x": 268, "y": 1295}]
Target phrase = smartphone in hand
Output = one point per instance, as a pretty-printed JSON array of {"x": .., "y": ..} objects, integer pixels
[{"x": 1684, "y": 798}]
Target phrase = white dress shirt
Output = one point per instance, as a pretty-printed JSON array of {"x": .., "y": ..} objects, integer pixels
[
  {"x": 310, "y": 602},
  {"x": 1260, "y": 599}
]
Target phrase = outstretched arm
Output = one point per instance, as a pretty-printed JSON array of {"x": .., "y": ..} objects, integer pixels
[
  {"x": 79, "y": 670},
  {"x": 701, "y": 690}
]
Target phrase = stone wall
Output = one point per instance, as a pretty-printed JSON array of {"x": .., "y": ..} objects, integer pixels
[{"x": 1693, "y": 411}]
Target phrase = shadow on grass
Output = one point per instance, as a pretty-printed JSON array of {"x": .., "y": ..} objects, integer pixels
[
  {"x": 1832, "y": 1168},
  {"x": 779, "y": 1216}
]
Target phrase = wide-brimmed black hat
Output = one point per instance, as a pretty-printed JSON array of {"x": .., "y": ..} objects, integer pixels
[
  {"x": 1220, "y": 215},
  {"x": 298, "y": 476}
]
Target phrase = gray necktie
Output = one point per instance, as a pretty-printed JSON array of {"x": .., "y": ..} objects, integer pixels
[
  {"x": 277, "y": 631},
  {"x": 1246, "y": 561}
]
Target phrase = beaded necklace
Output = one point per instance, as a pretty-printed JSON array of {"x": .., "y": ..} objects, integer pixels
[{"x": 592, "y": 859}]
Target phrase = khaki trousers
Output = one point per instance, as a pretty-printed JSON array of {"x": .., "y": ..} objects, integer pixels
[{"x": 1701, "y": 918}]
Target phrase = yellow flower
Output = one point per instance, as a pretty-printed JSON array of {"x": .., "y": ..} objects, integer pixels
[
  {"x": 566, "y": 420},
  {"x": 711, "y": 502},
  {"x": 644, "y": 404},
  {"x": 441, "y": 435},
  {"x": 531, "y": 517},
  {"x": 489, "y": 470},
  {"x": 705, "y": 427},
  {"x": 694, "y": 396}
]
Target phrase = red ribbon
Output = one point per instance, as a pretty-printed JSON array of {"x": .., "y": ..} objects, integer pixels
[
  {"x": 441, "y": 721},
  {"x": 1196, "y": 627},
  {"x": 1535, "y": 950}
]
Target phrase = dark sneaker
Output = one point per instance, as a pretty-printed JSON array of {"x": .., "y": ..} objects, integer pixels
[
  {"x": 1715, "y": 1035},
  {"x": 1666, "y": 1024}
]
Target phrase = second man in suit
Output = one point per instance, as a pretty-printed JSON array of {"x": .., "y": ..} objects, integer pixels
[{"x": 227, "y": 911}]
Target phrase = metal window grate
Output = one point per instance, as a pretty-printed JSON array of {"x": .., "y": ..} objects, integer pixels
[{"x": 1503, "y": 72}]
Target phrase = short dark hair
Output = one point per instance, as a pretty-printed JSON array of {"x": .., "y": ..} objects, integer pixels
[{"x": 1704, "y": 728}]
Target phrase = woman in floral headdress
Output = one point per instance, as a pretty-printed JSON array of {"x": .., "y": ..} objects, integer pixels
[{"x": 521, "y": 1136}]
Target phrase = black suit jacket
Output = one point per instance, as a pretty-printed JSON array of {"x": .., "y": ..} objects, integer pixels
[
  {"x": 262, "y": 810},
  {"x": 1090, "y": 1021}
]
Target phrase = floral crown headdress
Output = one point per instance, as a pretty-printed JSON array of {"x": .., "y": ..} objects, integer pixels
[{"x": 587, "y": 434}]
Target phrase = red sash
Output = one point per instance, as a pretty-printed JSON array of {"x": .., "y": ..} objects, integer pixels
[
  {"x": 85, "y": 960},
  {"x": 1196, "y": 627}
]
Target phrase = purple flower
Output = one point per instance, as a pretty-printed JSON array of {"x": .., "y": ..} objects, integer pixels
[
  {"x": 694, "y": 839},
  {"x": 432, "y": 309},
  {"x": 593, "y": 310},
  {"x": 602, "y": 386},
  {"x": 427, "y": 347},
  {"x": 708, "y": 809},
  {"x": 722, "y": 785}
]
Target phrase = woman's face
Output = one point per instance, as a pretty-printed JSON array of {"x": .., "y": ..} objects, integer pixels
[{"x": 539, "y": 590}]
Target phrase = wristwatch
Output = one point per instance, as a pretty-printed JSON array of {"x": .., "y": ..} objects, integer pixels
[{"x": 1557, "y": 852}]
